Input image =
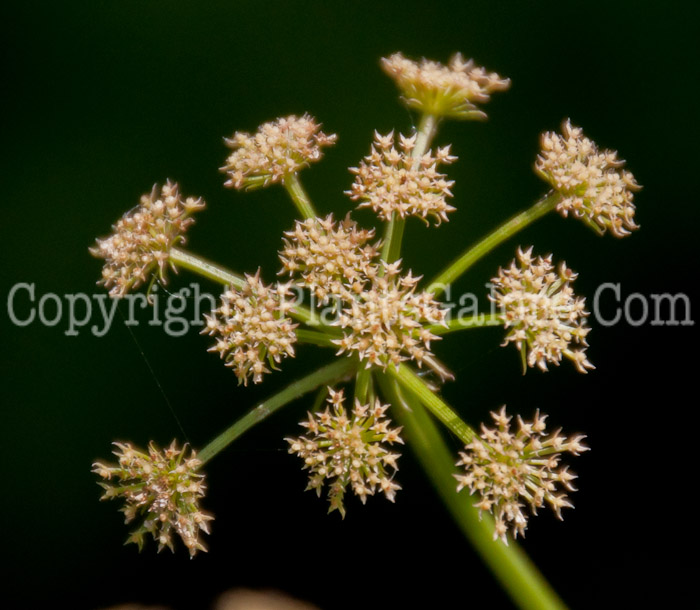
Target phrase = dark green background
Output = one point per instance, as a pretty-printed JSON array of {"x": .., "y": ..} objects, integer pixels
[{"x": 102, "y": 99}]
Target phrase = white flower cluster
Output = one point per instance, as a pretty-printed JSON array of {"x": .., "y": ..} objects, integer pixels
[
  {"x": 349, "y": 449},
  {"x": 383, "y": 317},
  {"x": 540, "y": 311},
  {"x": 329, "y": 258},
  {"x": 161, "y": 487},
  {"x": 143, "y": 237},
  {"x": 592, "y": 184},
  {"x": 387, "y": 322},
  {"x": 452, "y": 91},
  {"x": 512, "y": 471},
  {"x": 253, "y": 329},
  {"x": 278, "y": 148},
  {"x": 393, "y": 181}
]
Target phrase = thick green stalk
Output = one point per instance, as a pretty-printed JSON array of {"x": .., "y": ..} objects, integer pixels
[
  {"x": 477, "y": 321},
  {"x": 417, "y": 387},
  {"x": 326, "y": 375},
  {"x": 493, "y": 239},
  {"x": 393, "y": 235},
  {"x": 363, "y": 381},
  {"x": 314, "y": 337},
  {"x": 192, "y": 262},
  {"x": 299, "y": 196},
  {"x": 519, "y": 577}
]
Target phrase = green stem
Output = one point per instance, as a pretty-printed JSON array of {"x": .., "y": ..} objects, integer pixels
[
  {"x": 299, "y": 196},
  {"x": 319, "y": 400},
  {"x": 416, "y": 386},
  {"x": 520, "y": 578},
  {"x": 493, "y": 239},
  {"x": 314, "y": 337},
  {"x": 325, "y": 375},
  {"x": 363, "y": 382},
  {"x": 393, "y": 234},
  {"x": 196, "y": 264},
  {"x": 424, "y": 136},
  {"x": 309, "y": 317},
  {"x": 185, "y": 260},
  {"x": 463, "y": 323}
]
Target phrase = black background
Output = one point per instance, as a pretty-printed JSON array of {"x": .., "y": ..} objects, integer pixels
[{"x": 102, "y": 99}]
